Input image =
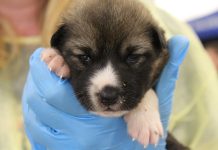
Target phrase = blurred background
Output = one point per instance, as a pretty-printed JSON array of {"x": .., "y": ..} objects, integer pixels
[
  {"x": 28, "y": 24},
  {"x": 202, "y": 16}
]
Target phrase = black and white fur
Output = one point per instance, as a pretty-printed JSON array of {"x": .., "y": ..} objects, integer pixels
[{"x": 113, "y": 52}]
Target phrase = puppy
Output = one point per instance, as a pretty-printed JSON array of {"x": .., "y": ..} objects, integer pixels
[{"x": 113, "y": 52}]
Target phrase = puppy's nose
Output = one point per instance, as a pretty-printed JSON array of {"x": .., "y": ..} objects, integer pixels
[{"x": 109, "y": 95}]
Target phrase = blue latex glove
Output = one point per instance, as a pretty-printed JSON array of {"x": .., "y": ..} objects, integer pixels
[{"x": 54, "y": 119}]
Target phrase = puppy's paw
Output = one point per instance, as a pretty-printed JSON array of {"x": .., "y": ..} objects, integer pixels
[
  {"x": 144, "y": 126},
  {"x": 144, "y": 123},
  {"x": 55, "y": 63}
]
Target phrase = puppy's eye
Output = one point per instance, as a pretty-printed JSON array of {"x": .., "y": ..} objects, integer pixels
[
  {"x": 85, "y": 59},
  {"x": 133, "y": 58}
]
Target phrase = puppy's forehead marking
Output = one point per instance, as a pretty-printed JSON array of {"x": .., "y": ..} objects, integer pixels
[
  {"x": 78, "y": 45},
  {"x": 78, "y": 51},
  {"x": 140, "y": 50},
  {"x": 136, "y": 45},
  {"x": 105, "y": 76}
]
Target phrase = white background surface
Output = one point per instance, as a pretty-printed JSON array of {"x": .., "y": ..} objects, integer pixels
[{"x": 188, "y": 9}]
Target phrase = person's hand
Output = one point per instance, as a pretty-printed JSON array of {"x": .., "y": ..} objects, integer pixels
[
  {"x": 55, "y": 120},
  {"x": 177, "y": 47}
]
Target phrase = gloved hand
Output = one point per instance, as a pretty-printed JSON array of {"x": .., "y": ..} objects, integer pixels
[{"x": 54, "y": 119}]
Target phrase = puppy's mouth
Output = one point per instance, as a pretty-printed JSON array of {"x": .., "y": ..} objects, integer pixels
[
  {"x": 113, "y": 108},
  {"x": 109, "y": 109},
  {"x": 110, "y": 105}
]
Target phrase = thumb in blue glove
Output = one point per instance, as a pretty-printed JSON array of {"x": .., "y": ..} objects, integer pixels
[
  {"x": 52, "y": 123},
  {"x": 178, "y": 48}
]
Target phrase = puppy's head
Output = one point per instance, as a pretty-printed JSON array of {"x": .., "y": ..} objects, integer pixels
[{"x": 115, "y": 52}]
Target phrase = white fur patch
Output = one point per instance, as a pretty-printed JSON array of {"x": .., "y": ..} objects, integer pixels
[
  {"x": 103, "y": 77},
  {"x": 144, "y": 122}
]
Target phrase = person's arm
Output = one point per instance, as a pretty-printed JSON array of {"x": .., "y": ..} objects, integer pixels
[
  {"x": 55, "y": 120},
  {"x": 23, "y": 16}
]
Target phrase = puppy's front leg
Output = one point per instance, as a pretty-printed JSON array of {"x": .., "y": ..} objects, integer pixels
[{"x": 144, "y": 122}]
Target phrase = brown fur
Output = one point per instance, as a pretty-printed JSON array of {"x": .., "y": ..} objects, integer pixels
[
  {"x": 111, "y": 24},
  {"x": 88, "y": 19}
]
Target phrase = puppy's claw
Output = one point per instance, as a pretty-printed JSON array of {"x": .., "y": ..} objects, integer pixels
[
  {"x": 133, "y": 139},
  {"x": 155, "y": 132},
  {"x": 145, "y": 147},
  {"x": 50, "y": 69},
  {"x": 124, "y": 84}
]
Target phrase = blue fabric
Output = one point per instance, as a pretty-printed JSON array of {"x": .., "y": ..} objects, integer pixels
[
  {"x": 54, "y": 119},
  {"x": 206, "y": 27}
]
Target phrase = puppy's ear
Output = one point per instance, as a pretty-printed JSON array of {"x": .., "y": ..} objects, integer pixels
[
  {"x": 59, "y": 37},
  {"x": 158, "y": 39},
  {"x": 160, "y": 46}
]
